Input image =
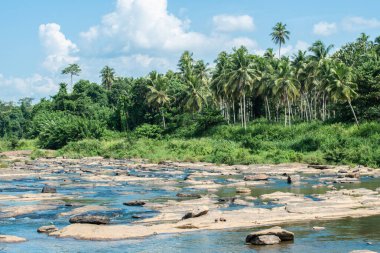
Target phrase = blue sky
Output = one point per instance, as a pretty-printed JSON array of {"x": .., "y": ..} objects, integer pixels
[{"x": 40, "y": 37}]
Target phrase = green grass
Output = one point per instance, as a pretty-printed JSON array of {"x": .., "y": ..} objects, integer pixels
[{"x": 262, "y": 142}]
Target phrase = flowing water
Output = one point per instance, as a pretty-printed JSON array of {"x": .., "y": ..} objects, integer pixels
[{"x": 339, "y": 236}]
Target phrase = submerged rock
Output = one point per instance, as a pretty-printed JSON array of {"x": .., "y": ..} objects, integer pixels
[
  {"x": 134, "y": 203},
  {"x": 47, "y": 229},
  {"x": 11, "y": 239},
  {"x": 266, "y": 240},
  {"x": 90, "y": 219},
  {"x": 49, "y": 189},
  {"x": 319, "y": 228},
  {"x": 282, "y": 234},
  {"x": 202, "y": 210}
]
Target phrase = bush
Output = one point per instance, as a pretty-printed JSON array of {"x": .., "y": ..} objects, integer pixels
[
  {"x": 55, "y": 130},
  {"x": 149, "y": 131}
]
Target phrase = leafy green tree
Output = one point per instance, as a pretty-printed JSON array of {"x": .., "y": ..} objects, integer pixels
[
  {"x": 72, "y": 70},
  {"x": 108, "y": 77}
]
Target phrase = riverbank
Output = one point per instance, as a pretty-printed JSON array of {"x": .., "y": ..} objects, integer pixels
[{"x": 235, "y": 197}]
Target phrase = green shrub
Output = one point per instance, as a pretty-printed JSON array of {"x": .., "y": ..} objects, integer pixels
[{"x": 149, "y": 131}]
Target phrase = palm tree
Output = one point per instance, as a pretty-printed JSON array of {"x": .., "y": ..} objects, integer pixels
[
  {"x": 341, "y": 87},
  {"x": 280, "y": 35},
  {"x": 108, "y": 77},
  {"x": 73, "y": 70},
  {"x": 157, "y": 95},
  {"x": 319, "y": 51},
  {"x": 195, "y": 94},
  {"x": 242, "y": 75},
  {"x": 286, "y": 87}
]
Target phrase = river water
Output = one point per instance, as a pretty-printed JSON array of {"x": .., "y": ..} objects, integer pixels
[{"x": 342, "y": 235}]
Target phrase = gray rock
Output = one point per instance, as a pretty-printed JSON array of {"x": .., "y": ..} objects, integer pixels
[
  {"x": 283, "y": 234},
  {"x": 197, "y": 212},
  {"x": 266, "y": 240},
  {"x": 134, "y": 203},
  {"x": 189, "y": 195},
  {"x": 90, "y": 219},
  {"x": 49, "y": 189},
  {"x": 319, "y": 228},
  {"x": 47, "y": 229}
]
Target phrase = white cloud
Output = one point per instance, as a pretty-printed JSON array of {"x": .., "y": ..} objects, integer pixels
[
  {"x": 360, "y": 23},
  {"x": 290, "y": 49},
  {"x": 228, "y": 23},
  {"x": 35, "y": 86},
  {"x": 59, "y": 50},
  {"x": 324, "y": 28}
]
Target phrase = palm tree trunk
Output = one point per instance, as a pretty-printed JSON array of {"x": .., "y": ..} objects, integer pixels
[
  {"x": 268, "y": 109},
  {"x": 163, "y": 118},
  {"x": 353, "y": 112},
  {"x": 244, "y": 112}
]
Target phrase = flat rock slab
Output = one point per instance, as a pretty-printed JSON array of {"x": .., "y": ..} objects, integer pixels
[
  {"x": 134, "y": 203},
  {"x": 11, "y": 239},
  {"x": 197, "y": 212},
  {"x": 90, "y": 219}
]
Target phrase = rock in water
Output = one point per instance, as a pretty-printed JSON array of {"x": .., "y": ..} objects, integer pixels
[
  {"x": 318, "y": 228},
  {"x": 266, "y": 240},
  {"x": 49, "y": 189},
  {"x": 289, "y": 180},
  {"x": 202, "y": 210},
  {"x": 363, "y": 251},
  {"x": 258, "y": 177},
  {"x": 90, "y": 219},
  {"x": 189, "y": 195},
  {"x": 134, "y": 203},
  {"x": 283, "y": 234},
  {"x": 11, "y": 239},
  {"x": 47, "y": 229}
]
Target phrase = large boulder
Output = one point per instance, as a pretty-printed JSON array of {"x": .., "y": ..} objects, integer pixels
[
  {"x": 47, "y": 229},
  {"x": 134, "y": 203},
  {"x": 49, "y": 189},
  {"x": 11, "y": 239},
  {"x": 266, "y": 240},
  {"x": 258, "y": 177},
  {"x": 199, "y": 211},
  {"x": 283, "y": 234},
  {"x": 90, "y": 219}
]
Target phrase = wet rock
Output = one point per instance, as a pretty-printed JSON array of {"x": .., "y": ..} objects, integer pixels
[
  {"x": 283, "y": 234},
  {"x": 319, "y": 228},
  {"x": 197, "y": 212},
  {"x": 90, "y": 219},
  {"x": 352, "y": 175},
  {"x": 243, "y": 190},
  {"x": 189, "y": 195},
  {"x": 226, "y": 200},
  {"x": 134, "y": 203},
  {"x": 320, "y": 167},
  {"x": 258, "y": 177},
  {"x": 47, "y": 229},
  {"x": 266, "y": 240},
  {"x": 342, "y": 171},
  {"x": 136, "y": 216},
  {"x": 222, "y": 219},
  {"x": 187, "y": 226},
  {"x": 11, "y": 239},
  {"x": 49, "y": 189},
  {"x": 346, "y": 180}
]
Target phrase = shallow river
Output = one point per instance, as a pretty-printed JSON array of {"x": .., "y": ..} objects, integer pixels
[{"x": 339, "y": 236}]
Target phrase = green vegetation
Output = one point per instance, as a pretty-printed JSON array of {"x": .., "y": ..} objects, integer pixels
[{"x": 313, "y": 107}]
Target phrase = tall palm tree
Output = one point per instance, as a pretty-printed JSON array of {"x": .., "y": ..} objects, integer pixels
[
  {"x": 342, "y": 87},
  {"x": 286, "y": 88},
  {"x": 242, "y": 75},
  {"x": 319, "y": 51},
  {"x": 157, "y": 95},
  {"x": 108, "y": 77},
  {"x": 280, "y": 35},
  {"x": 72, "y": 70}
]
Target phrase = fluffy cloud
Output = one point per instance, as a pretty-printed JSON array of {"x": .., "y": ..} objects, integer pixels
[
  {"x": 325, "y": 28},
  {"x": 360, "y": 23},
  {"x": 59, "y": 50},
  {"x": 35, "y": 86},
  {"x": 227, "y": 23},
  {"x": 290, "y": 49}
]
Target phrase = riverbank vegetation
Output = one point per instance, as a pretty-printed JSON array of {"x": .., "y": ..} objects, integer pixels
[{"x": 315, "y": 106}]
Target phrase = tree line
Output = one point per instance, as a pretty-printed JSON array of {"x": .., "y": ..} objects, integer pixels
[{"x": 310, "y": 85}]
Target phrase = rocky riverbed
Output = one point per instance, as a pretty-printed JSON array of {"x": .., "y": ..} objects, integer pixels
[{"x": 135, "y": 199}]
